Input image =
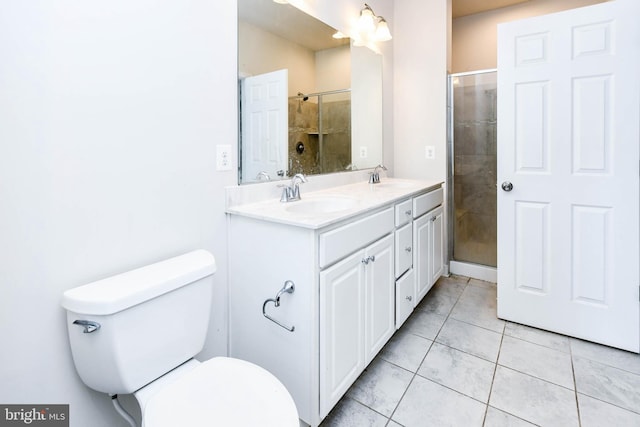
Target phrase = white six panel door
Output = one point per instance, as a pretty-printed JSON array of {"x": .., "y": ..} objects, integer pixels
[
  {"x": 265, "y": 124},
  {"x": 568, "y": 230}
]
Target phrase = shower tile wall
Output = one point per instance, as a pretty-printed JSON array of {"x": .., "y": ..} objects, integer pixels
[
  {"x": 336, "y": 133},
  {"x": 303, "y": 127},
  {"x": 336, "y": 118},
  {"x": 474, "y": 149}
]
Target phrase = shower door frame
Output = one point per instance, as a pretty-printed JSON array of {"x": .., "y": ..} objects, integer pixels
[{"x": 464, "y": 268}]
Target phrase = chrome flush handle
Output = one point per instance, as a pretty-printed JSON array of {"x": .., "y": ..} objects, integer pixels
[{"x": 89, "y": 325}]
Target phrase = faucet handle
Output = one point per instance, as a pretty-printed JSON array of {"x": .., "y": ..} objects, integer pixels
[
  {"x": 286, "y": 193},
  {"x": 373, "y": 178},
  {"x": 375, "y": 175},
  {"x": 299, "y": 177}
]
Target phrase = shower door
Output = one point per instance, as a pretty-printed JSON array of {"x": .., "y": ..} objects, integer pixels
[{"x": 472, "y": 168}]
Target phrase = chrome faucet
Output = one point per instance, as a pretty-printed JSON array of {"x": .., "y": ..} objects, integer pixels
[
  {"x": 291, "y": 192},
  {"x": 374, "y": 177}
]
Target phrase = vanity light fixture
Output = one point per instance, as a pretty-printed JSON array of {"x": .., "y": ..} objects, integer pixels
[
  {"x": 382, "y": 30},
  {"x": 371, "y": 27},
  {"x": 367, "y": 21}
]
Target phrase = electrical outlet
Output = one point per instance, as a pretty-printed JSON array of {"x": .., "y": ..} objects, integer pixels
[
  {"x": 223, "y": 157},
  {"x": 363, "y": 152},
  {"x": 430, "y": 152}
]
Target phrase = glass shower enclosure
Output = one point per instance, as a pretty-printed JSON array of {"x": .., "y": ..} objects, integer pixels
[
  {"x": 319, "y": 132},
  {"x": 472, "y": 168}
]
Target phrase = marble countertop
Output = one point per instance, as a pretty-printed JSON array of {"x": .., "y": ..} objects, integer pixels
[{"x": 318, "y": 209}]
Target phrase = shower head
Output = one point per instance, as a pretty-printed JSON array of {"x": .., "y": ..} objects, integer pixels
[{"x": 305, "y": 97}]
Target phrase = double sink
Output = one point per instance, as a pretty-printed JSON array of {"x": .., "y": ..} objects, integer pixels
[{"x": 321, "y": 208}]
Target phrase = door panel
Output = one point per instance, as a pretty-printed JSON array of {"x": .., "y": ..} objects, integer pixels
[
  {"x": 532, "y": 127},
  {"x": 568, "y": 137},
  {"x": 532, "y": 247}
]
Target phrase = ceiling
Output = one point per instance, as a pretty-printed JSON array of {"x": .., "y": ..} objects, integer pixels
[
  {"x": 469, "y": 7},
  {"x": 289, "y": 23},
  {"x": 293, "y": 24}
]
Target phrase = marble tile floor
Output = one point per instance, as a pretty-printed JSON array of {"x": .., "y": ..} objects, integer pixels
[{"x": 454, "y": 363}]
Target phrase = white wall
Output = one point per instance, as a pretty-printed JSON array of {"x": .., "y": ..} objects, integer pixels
[
  {"x": 420, "y": 87},
  {"x": 333, "y": 69},
  {"x": 109, "y": 117},
  {"x": 475, "y": 37},
  {"x": 263, "y": 52}
]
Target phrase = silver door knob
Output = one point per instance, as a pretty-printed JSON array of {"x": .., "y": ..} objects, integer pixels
[{"x": 507, "y": 186}]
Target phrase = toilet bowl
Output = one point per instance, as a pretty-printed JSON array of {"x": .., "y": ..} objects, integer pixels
[
  {"x": 223, "y": 392},
  {"x": 138, "y": 332}
]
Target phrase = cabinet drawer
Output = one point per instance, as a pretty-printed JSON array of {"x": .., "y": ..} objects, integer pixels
[
  {"x": 405, "y": 289},
  {"x": 404, "y": 249},
  {"x": 342, "y": 241},
  {"x": 404, "y": 212},
  {"x": 424, "y": 203}
]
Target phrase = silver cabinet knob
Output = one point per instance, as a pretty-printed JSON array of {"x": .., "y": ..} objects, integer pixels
[
  {"x": 408, "y": 249},
  {"x": 507, "y": 186},
  {"x": 409, "y": 298}
]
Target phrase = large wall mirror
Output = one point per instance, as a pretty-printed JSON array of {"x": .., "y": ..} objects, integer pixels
[{"x": 309, "y": 103}]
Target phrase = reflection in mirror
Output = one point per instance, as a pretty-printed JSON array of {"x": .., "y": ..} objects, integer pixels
[{"x": 302, "y": 108}]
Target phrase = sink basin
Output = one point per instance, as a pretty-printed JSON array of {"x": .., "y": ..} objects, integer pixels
[{"x": 321, "y": 205}]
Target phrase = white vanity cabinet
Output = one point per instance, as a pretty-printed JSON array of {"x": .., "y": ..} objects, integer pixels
[
  {"x": 357, "y": 317},
  {"x": 428, "y": 239},
  {"x": 419, "y": 250},
  {"x": 348, "y": 276},
  {"x": 404, "y": 273}
]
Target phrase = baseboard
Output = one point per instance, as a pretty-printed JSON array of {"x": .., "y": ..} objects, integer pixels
[{"x": 475, "y": 271}]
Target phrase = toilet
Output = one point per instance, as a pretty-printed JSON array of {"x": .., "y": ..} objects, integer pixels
[{"x": 138, "y": 332}]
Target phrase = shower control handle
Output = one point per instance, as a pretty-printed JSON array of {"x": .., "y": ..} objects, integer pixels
[{"x": 507, "y": 186}]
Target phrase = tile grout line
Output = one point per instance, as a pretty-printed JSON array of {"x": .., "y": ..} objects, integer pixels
[
  {"x": 425, "y": 356},
  {"x": 575, "y": 384},
  {"x": 493, "y": 378}
]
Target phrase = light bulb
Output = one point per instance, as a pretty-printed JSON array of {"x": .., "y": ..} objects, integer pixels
[
  {"x": 366, "y": 22},
  {"x": 382, "y": 31}
]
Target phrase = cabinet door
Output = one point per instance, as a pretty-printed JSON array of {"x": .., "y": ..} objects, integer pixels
[
  {"x": 437, "y": 244},
  {"x": 422, "y": 256},
  {"x": 342, "y": 300},
  {"x": 380, "y": 296}
]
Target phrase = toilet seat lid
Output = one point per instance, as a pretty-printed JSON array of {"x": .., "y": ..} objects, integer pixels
[{"x": 222, "y": 392}]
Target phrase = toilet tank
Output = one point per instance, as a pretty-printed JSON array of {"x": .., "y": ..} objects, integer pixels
[{"x": 151, "y": 319}]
